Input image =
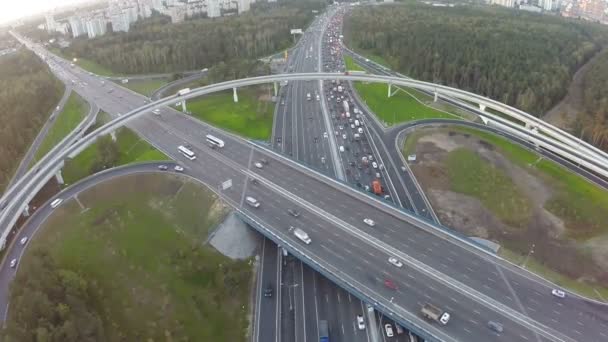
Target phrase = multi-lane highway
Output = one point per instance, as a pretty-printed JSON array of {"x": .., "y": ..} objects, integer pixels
[{"x": 438, "y": 267}]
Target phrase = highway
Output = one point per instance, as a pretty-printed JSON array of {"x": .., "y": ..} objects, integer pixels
[
  {"x": 333, "y": 213},
  {"x": 35, "y": 221}
]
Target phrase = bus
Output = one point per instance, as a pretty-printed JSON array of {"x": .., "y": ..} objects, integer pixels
[
  {"x": 213, "y": 141},
  {"x": 186, "y": 152}
]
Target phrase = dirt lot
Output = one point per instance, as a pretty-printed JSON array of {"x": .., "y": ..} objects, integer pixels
[{"x": 479, "y": 209}]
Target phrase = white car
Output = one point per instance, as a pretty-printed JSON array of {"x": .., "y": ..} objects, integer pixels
[
  {"x": 344, "y": 136},
  {"x": 13, "y": 263},
  {"x": 445, "y": 318},
  {"x": 374, "y": 165},
  {"x": 411, "y": 158},
  {"x": 341, "y": 148},
  {"x": 395, "y": 262},
  {"x": 360, "y": 322},
  {"x": 325, "y": 135},
  {"x": 23, "y": 240},
  {"x": 156, "y": 111},
  {"x": 558, "y": 293},
  {"x": 178, "y": 168},
  {"x": 258, "y": 165},
  {"x": 389, "y": 330},
  {"x": 369, "y": 222}
]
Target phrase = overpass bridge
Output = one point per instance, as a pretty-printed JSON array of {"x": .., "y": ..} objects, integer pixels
[{"x": 438, "y": 266}]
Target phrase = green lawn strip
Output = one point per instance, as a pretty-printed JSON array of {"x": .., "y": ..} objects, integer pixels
[
  {"x": 151, "y": 278},
  {"x": 537, "y": 267},
  {"x": 371, "y": 56},
  {"x": 469, "y": 174},
  {"x": 144, "y": 87},
  {"x": 131, "y": 149},
  {"x": 400, "y": 107},
  {"x": 73, "y": 113},
  {"x": 351, "y": 64},
  {"x": 250, "y": 117}
]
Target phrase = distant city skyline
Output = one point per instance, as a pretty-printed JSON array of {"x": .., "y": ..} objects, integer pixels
[{"x": 12, "y": 10}]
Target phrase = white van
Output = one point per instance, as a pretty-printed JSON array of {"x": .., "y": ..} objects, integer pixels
[
  {"x": 357, "y": 123},
  {"x": 56, "y": 203},
  {"x": 300, "y": 234},
  {"x": 341, "y": 148},
  {"x": 252, "y": 201}
]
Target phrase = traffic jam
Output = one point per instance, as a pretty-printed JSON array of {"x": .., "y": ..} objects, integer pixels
[{"x": 361, "y": 166}]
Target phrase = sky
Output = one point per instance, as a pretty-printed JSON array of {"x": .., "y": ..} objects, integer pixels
[{"x": 14, "y": 9}]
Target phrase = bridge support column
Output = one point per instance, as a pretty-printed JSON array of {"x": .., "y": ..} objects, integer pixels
[
  {"x": 59, "y": 177},
  {"x": 113, "y": 135},
  {"x": 26, "y": 211},
  {"x": 482, "y": 107},
  {"x": 276, "y": 89},
  {"x": 184, "y": 106},
  {"x": 436, "y": 96},
  {"x": 235, "y": 96},
  {"x": 389, "y": 90}
]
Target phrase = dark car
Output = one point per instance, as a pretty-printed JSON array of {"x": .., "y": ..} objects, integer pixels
[
  {"x": 268, "y": 291},
  {"x": 278, "y": 140}
]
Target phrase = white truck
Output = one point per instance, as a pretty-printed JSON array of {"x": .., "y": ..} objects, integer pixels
[
  {"x": 302, "y": 235},
  {"x": 183, "y": 92},
  {"x": 345, "y": 105},
  {"x": 430, "y": 311}
]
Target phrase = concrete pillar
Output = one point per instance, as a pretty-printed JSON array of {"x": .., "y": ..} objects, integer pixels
[
  {"x": 184, "y": 106},
  {"x": 59, "y": 177},
  {"x": 482, "y": 107},
  {"x": 389, "y": 90},
  {"x": 235, "y": 96},
  {"x": 113, "y": 135},
  {"x": 26, "y": 211},
  {"x": 436, "y": 96},
  {"x": 276, "y": 88}
]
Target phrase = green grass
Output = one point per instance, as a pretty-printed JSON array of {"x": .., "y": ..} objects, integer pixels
[
  {"x": 154, "y": 281},
  {"x": 400, "y": 107},
  {"x": 371, "y": 56},
  {"x": 537, "y": 267},
  {"x": 73, "y": 113},
  {"x": 469, "y": 174},
  {"x": 250, "y": 117},
  {"x": 144, "y": 87},
  {"x": 131, "y": 149},
  {"x": 351, "y": 64},
  {"x": 86, "y": 64}
]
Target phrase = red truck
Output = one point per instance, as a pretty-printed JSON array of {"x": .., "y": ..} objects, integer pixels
[{"x": 377, "y": 187}]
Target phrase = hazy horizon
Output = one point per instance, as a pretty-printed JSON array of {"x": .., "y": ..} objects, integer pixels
[{"x": 15, "y": 9}]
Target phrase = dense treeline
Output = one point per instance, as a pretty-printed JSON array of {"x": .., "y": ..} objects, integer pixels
[
  {"x": 28, "y": 93},
  {"x": 52, "y": 304},
  {"x": 156, "y": 45},
  {"x": 593, "y": 124},
  {"x": 522, "y": 59}
]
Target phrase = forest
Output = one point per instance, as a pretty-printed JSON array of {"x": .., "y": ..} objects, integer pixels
[
  {"x": 155, "y": 45},
  {"x": 28, "y": 94},
  {"x": 523, "y": 59},
  {"x": 592, "y": 123}
]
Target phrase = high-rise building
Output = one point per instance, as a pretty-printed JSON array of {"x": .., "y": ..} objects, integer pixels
[
  {"x": 505, "y": 3},
  {"x": 213, "y": 8},
  {"x": 50, "y": 23},
  {"x": 120, "y": 22},
  {"x": 96, "y": 26},
  {"x": 243, "y": 5},
  {"x": 547, "y": 5},
  {"x": 77, "y": 25}
]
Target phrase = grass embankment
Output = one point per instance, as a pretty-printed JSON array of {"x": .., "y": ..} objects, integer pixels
[
  {"x": 103, "y": 154},
  {"x": 144, "y": 87},
  {"x": 73, "y": 113},
  {"x": 471, "y": 175},
  {"x": 580, "y": 204},
  {"x": 251, "y": 117},
  {"x": 401, "y": 107},
  {"x": 86, "y": 64},
  {"x": 351, "y": 64},
  {"x": 139, "y": 248}
]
